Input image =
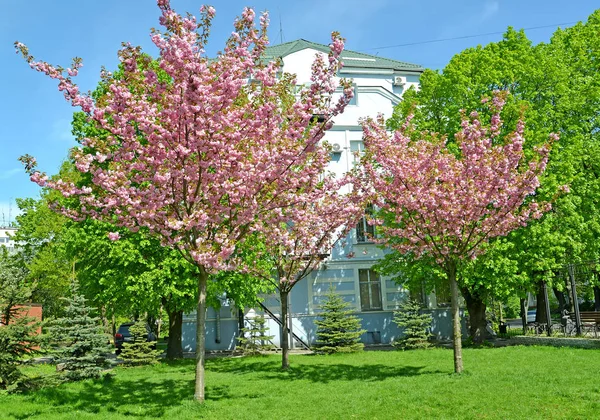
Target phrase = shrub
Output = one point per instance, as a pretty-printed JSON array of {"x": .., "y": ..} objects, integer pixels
[
  {"x": 254, "y": 339},
  {"x": 17, "y": 339},
  {"x": 140, "y": 351},
  {"x": 338, "y": 331},
  {"x": 78, "y": 341},
  {"x": 18, "y": 335},
  {"x": 415, "y": 325}
]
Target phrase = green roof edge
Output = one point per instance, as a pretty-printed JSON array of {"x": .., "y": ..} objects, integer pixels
[{"x": 287, "y": 48}]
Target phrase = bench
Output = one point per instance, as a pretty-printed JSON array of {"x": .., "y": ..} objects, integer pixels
[{"x": 590, "y": 321}]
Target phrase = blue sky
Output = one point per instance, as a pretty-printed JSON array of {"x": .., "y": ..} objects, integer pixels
[{"x": 35, "y": 119}]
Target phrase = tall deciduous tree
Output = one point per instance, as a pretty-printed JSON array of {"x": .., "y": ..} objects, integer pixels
[
  {"x": 43, "y": 253},
  {"x": 446, "y": 200},
  {"x": 558, "y": 83},
  {"x": 202, "y": 159}
]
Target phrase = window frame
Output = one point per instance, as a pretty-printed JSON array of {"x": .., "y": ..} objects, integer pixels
[
  {"x": 373, "y": 279},
  {"x": 363, "y": 228}
]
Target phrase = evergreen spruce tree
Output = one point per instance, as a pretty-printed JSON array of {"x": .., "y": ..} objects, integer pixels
[
  {"x": 139, "y": 351},
  {"x": 338, "y": 331},
  {"x": 80, "y": 346},
  {"x": 415, "y": 325},
  {"x": 18, "y": 332},
  {"x": 254, "y": 339}
]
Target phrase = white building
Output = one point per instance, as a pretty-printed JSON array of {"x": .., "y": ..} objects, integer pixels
[
  {"x": 378, "y": 87},
  {"x": 6, "y": 238}
]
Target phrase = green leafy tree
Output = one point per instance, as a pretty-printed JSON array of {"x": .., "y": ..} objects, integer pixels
[
  {"x": 415, "y": 324},
  {"x": 139, "y": 351},
  {"x": 42, "y": 252},
  {"x": 253, "y": 339},
  {"x": 338, "y": 331},
  {"x": 80, "y": 346},
  {"x": 555, "y": 86}
]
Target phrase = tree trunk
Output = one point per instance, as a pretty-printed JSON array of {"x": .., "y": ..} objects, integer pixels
[
  {"x": 200, "y": 334},
  {"x": 477, "y": 319},
  {"x": 285, "y": 343},
  {"x": 456, "y": 336},
  {"x": 174, "y": 349},
  {"x": 540, "y": 312},
  {"x": 159, "y": 323},
  {"x": 240, "y": 323},
  {"x": 597, "y": 298},
  {"x": 104, "y": 319},
  {"x": 562, "y": 302},
  {"x": 524, "y": 306}
]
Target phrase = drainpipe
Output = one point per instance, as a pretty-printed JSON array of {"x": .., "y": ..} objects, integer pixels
[{"x": 218, "y": 326}]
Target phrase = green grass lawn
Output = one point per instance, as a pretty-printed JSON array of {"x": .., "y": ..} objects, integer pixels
[{"x": 506, "y": 383}]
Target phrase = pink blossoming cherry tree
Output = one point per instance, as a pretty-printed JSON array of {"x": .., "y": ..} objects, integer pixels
[
  {"x": 323, "y": 214},
  {"x": 446, "y": 202},
  {"x": 205, "y": 155}
]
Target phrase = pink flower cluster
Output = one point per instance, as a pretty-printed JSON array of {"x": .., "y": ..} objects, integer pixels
[
  {"x": 446, "y": 204},
  {"x": 202, "y": 151}
]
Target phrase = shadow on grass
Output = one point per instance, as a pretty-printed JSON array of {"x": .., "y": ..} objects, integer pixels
[
  {"x": 137, "y": 397},
  {"x": 132, "y": 394},
  {"x": 322, "y": 373}
]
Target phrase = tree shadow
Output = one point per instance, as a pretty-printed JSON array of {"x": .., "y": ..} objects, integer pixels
[
  {"x": 321, "y": 373},
  {"x": 136, "y": 397},
  {"x": 153, "y": 397}
]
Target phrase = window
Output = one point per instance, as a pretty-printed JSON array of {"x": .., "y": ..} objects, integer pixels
[
  {"x": 365, "y": 231},
  {"x": 357, "y": 148},
  {"x": 370, "y": 290}
]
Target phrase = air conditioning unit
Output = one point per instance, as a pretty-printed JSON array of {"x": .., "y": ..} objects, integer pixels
[
  {"x": 399, "y": 81},
  {"x": 336, "y": 148}
]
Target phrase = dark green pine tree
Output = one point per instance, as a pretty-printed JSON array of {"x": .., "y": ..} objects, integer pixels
[
  {"x": 338, "y": 331},
  {"x": 79, "y": 344},
  {"x": 139, "y": 351},
  {"x": 415, "y": 325},
  {"x": 18, "y": 332},
  {"x": 254, "y": 338}
]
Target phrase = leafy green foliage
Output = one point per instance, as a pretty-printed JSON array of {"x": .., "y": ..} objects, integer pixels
[
  {"x": 254, "y": 339},
  {"x": 338, "y": 331},
  {"x": 415, "y": 326},
  {"x": 43, "y": 253},
  {"x": 556, "y": 86},
  {"x": 139, "y": 351},
  {"x": 80, "y": 346}
]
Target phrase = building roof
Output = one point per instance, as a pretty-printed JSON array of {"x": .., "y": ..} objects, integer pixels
[{"x": 349, "y": 58}]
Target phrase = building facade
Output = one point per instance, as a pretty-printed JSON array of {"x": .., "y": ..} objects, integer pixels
[
  {"x": 6, "y": 238},
  {"x": 378, "y": 87}
]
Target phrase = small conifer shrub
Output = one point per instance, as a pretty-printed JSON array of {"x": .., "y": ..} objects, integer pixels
[
  {"x": 18, "y": 332},
  {"x": 338, "y": 331},
  {"x": 139, "y": 351},
  {"x": 254, "y": 339},
  {"x": 415, "y": 325}
]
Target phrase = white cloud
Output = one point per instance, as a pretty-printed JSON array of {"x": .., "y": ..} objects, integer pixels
[
  {"x": 9, "y": 173},
  {"x": 490, "y": 8}
]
